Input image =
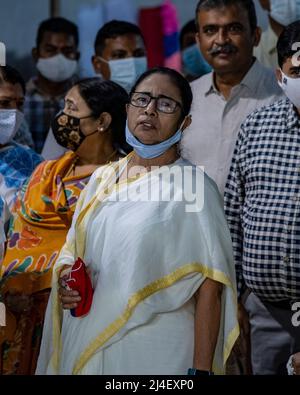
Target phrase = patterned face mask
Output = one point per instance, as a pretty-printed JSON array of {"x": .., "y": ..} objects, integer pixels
[{"x": 67, "y": 132}]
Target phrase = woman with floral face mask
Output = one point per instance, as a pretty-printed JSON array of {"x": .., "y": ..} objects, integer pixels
[{"x": 92, "y": 126}]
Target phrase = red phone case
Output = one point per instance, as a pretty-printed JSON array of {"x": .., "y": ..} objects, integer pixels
[{"x": 80, "y": 281}]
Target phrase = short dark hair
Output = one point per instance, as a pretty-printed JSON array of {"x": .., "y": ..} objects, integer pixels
[
  {"x": 289, "y": 36},
  {"x": 189, "y": 27},
  {"x": 178, "y": 80},
  {"x": 114, "y": 29},
  {"x": 57, "y": 25},
  {"x": 248, "y": 5},
  {"x": 12, "y": 76},
  {"x": 107, "y": 96}
]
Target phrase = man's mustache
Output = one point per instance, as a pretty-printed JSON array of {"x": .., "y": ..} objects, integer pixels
[{"x": 226, "y": 49}]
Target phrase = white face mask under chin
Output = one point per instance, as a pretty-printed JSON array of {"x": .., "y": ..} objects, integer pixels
[
  {"x": 291, "y": 88},
  {"x": 10, "y": 121},
  {"x": 58, "y": 68}
]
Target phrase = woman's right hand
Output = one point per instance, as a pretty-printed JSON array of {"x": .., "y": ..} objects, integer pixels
[{"x": 69, "y": 298}]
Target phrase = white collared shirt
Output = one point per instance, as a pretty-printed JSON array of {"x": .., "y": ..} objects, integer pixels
[
  {"x": 266, "y": 52},
  {"x": 210, "y": 139}
]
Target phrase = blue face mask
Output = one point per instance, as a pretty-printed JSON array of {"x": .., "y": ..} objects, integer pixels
[
  {"x": 126, "y": 71},
  {"x": 151, "y": 151},
  {"x": 193, "y": 62}
]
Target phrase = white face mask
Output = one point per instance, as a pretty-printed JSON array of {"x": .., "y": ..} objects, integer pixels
[
  {"x": 126, "y": 71},
  {"x": 10, "y": 121},
  {"x": 291, "y": 88},
  {"x": 58, "y": 68},
  {"x": 285, "y": 11}
]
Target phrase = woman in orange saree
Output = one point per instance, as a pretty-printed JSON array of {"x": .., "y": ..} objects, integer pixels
[{"x": 92, "y": 126}]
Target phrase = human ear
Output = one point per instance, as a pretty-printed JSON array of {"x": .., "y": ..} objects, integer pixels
[
  {"x": 186, "y": 122},
  {"x": 97, "y": 64},
  {"x": 197, "y": 37},
  {"x": 278, "y": 74},
  {"x": 104, "y": 122},
  {"x": 257, "y": 36}
]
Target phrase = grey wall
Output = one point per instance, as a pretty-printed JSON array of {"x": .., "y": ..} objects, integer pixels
[{"x": 19, "y": 20}]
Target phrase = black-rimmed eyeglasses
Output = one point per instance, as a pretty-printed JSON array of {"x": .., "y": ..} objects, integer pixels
[{"x": 163, "y": 103}]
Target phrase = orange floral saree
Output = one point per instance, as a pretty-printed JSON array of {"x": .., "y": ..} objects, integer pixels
[{"x": 40, "y": 221}]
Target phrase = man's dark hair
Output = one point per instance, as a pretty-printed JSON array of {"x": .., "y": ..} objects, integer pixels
[
  {"x": 177, "y": 79},
  {"x": 114, "y": 29},
  {"x": 12, "y": 76},
  {"x": 189, "y": 27},
  {"x": 289, "y": 36},
  {"x": 107, "y": 96},
  {"x": 248, "y": 5},
  {"x": 57, "y": 25}
]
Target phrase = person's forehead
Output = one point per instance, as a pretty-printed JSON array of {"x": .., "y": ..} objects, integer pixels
[
  {"x": 11, "y": 90},
  {"x": 74, "y": 96},
  {"x": 159, "y": 84},
  {"x": 126, "y": 42},
  {"x": 57, "y": 39},
  {"x": 223, "y": 15}
]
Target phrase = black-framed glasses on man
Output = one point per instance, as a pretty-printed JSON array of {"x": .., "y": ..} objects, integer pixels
[{"x": 164, "y": 104}]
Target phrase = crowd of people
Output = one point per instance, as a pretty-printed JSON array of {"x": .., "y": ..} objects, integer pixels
[{"x": 106, "y": 266}]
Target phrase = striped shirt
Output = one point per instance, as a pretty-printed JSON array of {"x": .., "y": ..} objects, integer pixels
[{"x": 262, "y": 203}]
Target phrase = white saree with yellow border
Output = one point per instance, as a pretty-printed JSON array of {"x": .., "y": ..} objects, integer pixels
[{"x": 147, "y": 258}]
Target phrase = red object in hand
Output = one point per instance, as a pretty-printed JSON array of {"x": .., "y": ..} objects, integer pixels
[{"x": 80, "y": 281}]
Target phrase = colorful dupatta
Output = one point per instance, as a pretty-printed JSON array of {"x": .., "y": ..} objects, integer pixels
[{"x": 41, "y": 218}]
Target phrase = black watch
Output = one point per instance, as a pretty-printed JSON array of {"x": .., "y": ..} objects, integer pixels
[{"x": 196, "y": 372}]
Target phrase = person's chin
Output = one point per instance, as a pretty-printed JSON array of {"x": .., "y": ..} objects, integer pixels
[
  {"x": 146, "y": 138},
  {"x": 224, "y": 65}
]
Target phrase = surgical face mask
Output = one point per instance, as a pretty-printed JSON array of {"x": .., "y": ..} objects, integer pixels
[
  {"x": 126, "y": 71},
  {"x": 193, "y": 62},
  {"x": 58, "y": 68},
  {"x": 10, "y": 121},
  {"x": 291, "y": 88},
  {"x": 151, "y": 151},
  {"x": 285, "y": 11},
  {"x": 67, "y": 132}
]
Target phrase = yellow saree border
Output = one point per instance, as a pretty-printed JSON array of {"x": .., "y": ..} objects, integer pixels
[{"x": 133, "y": 301}]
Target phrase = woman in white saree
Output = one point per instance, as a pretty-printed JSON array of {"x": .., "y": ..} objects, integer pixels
[{"x": 160, "y": 262}]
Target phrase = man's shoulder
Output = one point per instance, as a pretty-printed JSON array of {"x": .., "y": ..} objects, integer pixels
[
  {"x": 22, "y": 150},
  {"x": 275, "y": 110},
  {"x": 265, "y": 80},
  {"x": 271, "y": 117},
  {"x": 201, "y": 84}
]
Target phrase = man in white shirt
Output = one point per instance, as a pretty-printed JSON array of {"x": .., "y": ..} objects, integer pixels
[{"x": 238, "y": 85}]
